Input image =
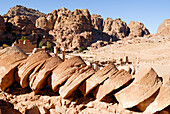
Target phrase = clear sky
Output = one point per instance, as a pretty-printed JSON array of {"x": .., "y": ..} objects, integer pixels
[{"x": 150, "y": 12}]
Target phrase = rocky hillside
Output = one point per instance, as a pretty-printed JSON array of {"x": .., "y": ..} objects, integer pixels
[{"x": 69, "y": 29}]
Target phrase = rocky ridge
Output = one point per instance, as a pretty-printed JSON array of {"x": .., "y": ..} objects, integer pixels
[
  {"x": 69, "y": 29},
  {"x": 19, "y": 10},
  {"x": 81, "y": 89}
]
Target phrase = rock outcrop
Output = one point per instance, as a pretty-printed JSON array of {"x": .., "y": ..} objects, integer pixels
[
  {"x": 39, "y": 79},
  {"x": 29, "y": 65},
  {"x": 65, "y": 70},
  {"x": 72, "y": 29},
  {"x": 10, "y": 59},
  {"x": 121, "y": 78},
  {"x": 161, "y": 101},
  {"x": 19, "y": 10},
  {"x": 137, "y": 29},
  {"x": 146, "y": 81},
  {"x": 25, "y": 25},
  {"x": 164, "y": 28},
  {"x": 97, "y": 22},
  {"x": 46, "y": 22},
  {"x": 116, "y": 28},
  {"x": 98, "y": 78}
]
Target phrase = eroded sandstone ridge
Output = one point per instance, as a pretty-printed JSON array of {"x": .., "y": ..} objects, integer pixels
[
  {"x": 64, "y": 28},
  {"x": 41, "y": 83}
]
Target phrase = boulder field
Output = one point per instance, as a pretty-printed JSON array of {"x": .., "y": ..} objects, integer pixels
[{"x": 78, "y": 87}]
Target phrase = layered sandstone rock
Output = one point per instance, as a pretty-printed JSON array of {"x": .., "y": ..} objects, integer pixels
[
  {"x": 10, "y": 58},
  {"x": 65, "y": 70},
  {"x": 114, "y": 82},
  {"x": 116, "y": 28},
  {"x": 28, "y": 66},
  {"x": 39, "y": 78},
  {"x": 99, "y": 77},
  {"x": 2, "y": 25},
  {"x": 161, "y": 101},
  {"x": 164, "y": 28},
  {"x": 19, "y": 10},
  {"x": 97, "y": 22},
  {"x": 146, "y": 83},
  {"x": 137, "y": 29},
  {"x": 75, "y": 80}
]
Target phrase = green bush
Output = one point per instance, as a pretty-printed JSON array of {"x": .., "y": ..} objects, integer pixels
[
  {"x": 48, "y": 45},
  {"x": 81, "y": 49},
  {"x": 23, "y": 38},
  {"x": 41, "y": 44}
]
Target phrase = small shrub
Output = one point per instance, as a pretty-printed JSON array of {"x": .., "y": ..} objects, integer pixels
[
  {"x": 41, "y": 44},
  {"x": 5, "y": 45},
  {"x": 48, "y": 46},
  {"x": 23, "y": 38},
  {"x": 81, "y": 49}
]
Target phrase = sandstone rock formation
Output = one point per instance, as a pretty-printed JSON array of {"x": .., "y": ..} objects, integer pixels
[
  {"x": 146, "y": 81},
  {"x": 164, "y": 28},
  {"x": 39, "y": 78},
  {"x": 25, "y": 25},
  {"x": 75, "y": 80},
  {"x": 99, "y": 77},
  {"x": 116, "y": 28},
  {"x": 19, "y": 10},
  {"x": 78, "y": 85},
  {"x": 121, "y": 78},
  {"x": 46, "y": 22},
  {"x": 137, "y": 29},
  {"x": 65, "y": 70},
  {"x": 97, "y": 22},
  {"x": 10, "y": 58},
  {"x": 161, "y": 101},
  {"x": 72, "y": 29},
  {"x": 28, "y": 66}
]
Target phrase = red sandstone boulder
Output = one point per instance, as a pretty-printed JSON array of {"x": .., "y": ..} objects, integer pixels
[
  {"x": 162, "y": 100},
  {"x": 39, "y": 78},
  {"x": 65, "y": 70},
  {"x": 28, "y": 66},
  {"x": 114, "y": 82},
  {"x": 75, "y": 80},
  {"x": 10, "y": 58},
  {"x": 145, "y": 84},
  {"x": 99, "y": 77}
]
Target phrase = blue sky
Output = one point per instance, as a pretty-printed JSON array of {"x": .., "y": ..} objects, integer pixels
[{"x": 150, "y": 12}]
